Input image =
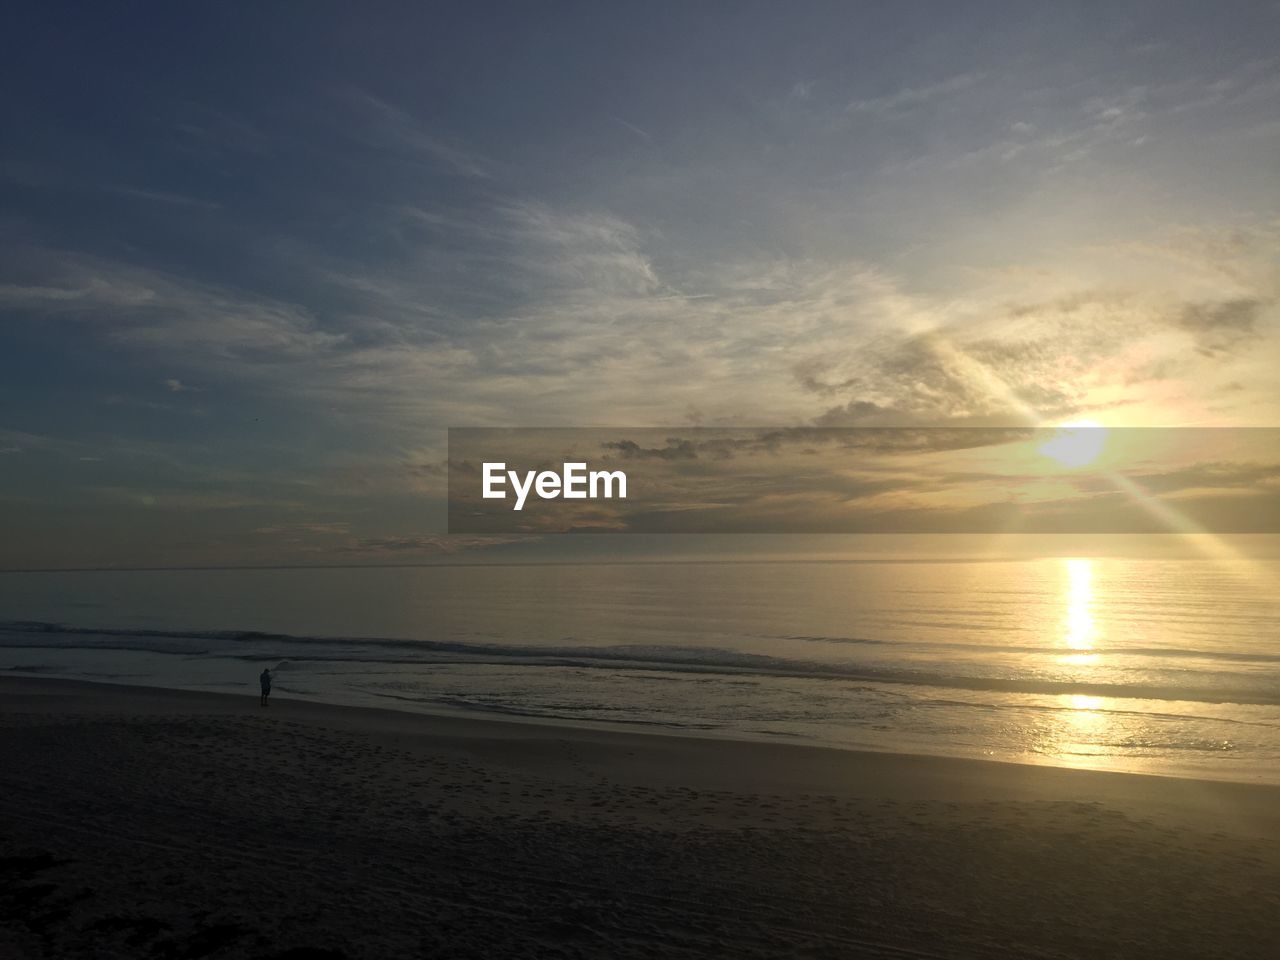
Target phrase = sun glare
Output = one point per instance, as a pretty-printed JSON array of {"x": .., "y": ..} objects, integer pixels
[
  {"x": 1081, "y": 630},
  {"x": 1076, "y": 444}
]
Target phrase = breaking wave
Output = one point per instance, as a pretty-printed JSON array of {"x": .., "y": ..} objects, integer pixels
[{"x": 250, "y": 645}]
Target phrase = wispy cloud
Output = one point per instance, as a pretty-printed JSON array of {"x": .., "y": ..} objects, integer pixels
[
  {"x": 907, "y": 98},
  {"x": 140, "y": 305},
  {"x": 590, "y": 323},
  {"x": 163, "y": 196},
  {"x": 642, "y": 134},
  {"x": 383, "y": 124}
]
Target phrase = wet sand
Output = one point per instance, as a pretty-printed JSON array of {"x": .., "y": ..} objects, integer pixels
[{"x": 146, "y": 823}]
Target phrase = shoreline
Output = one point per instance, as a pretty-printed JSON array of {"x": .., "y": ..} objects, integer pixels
[
  {"x": 963, "y": 776},
  {"x": 626, "y": 728},
  {"x": 148, "y": 824},
  {"x": 632, "y": 728}
]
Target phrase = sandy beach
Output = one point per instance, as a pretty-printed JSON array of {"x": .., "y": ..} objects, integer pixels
[{"x": 141, "y": 822}]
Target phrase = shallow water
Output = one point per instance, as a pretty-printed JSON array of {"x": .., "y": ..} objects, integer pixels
[{"x": 1153, "y": 665}]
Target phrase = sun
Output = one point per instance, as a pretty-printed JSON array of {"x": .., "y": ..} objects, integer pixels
[{"x": 1076, "y": 444}]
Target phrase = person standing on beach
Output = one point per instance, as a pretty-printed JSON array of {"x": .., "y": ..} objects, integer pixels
[{"x": 265, "y": 679}]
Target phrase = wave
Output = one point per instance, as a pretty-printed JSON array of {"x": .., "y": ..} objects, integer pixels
[
  {"x": 260, "y": 646},
  {"x": 516, "y": 710},
  {"x": 1113, "y": 651}
]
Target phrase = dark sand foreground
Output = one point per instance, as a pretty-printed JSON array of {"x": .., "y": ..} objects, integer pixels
[{"x": 145, "y": 823}]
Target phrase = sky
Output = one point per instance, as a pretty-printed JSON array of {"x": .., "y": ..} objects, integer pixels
[
  {"x": 993, "y": 481},
  {"x": 257, "y": 259}
]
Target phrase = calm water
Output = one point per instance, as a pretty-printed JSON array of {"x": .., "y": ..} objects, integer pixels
[{"x": 1152, "y": 665}]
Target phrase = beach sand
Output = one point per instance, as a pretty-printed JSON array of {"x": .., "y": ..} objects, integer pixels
[{"x": 145, "y": 823}]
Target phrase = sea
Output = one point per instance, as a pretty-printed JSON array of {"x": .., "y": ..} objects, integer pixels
[{"x": 1144, "y": 665}]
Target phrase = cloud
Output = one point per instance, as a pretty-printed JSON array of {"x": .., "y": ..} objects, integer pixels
[
  {"x": 162, "y": 196},
  {"x": 1219, "y": 327},
  {"x": 802, "y": 89},
  {"x": 1236, "y": 315},
  {"x": 810, "y": 373},
  {"x": 584, "y": 317},
  {"x": 382, "y": 124},
  {"x": 854, "y": 413},
  {"x": 147, "y": 307},
  {"x": 588, "y": 322},
  {"x": 582, "y": 250},
  {"x": 907, "y": 98},
  {"x": 642, "y": 134},
  {"x": 1031, "y": 360},
  {"x": 1114, "y": 110},
  {"x": 675, "y": 449},
  {"x": 1215, "y": 475}
]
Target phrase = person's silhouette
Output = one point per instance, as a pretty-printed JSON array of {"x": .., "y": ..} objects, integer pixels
[{"x": 265, "y": 679}]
